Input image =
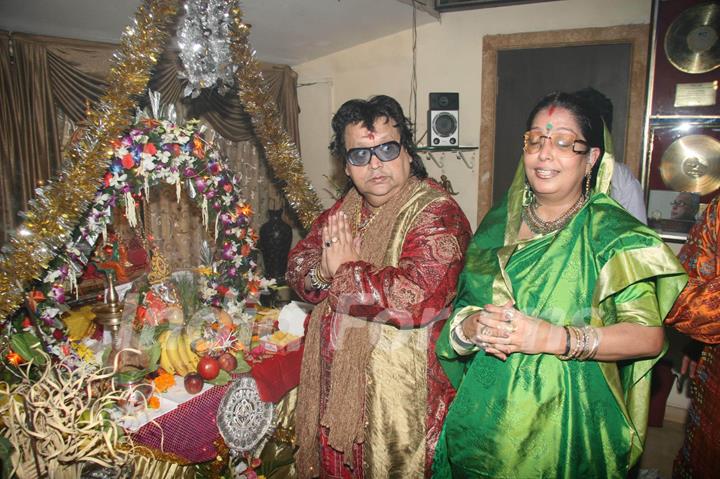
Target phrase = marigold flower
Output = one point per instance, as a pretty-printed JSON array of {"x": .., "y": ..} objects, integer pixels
[
  {"x": 154, "y": 402},
  {"x": 14, "y": 358},
  {"x": 164, "y": 381}
]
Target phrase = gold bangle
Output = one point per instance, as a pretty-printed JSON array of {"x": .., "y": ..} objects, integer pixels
[{"x": 317, "y": 280}]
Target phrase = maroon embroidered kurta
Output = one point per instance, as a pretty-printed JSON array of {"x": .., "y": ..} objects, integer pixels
[{"x": 413, "y": 295}]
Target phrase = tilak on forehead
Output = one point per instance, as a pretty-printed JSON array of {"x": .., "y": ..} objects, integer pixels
[{"x": 550, "y": 113}]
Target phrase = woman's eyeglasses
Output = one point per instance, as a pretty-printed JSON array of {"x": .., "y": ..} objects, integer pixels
[
  {"x": 562, "y": 141},
  {"x": 385, "y": 152}
]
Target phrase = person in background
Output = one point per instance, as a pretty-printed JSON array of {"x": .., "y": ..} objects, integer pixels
[
  {"x": 381, "y": 265},
  {"x": 685, "y": 206},
  {"x": 624, "y": 187},
  {"x": 558, "y": 318},
  {"x": 697, "y": 314}
]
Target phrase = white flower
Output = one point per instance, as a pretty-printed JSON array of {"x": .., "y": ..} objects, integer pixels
[
  {"x": 52, "y": 276},
  {"x": 266, "y": 283},
  {"x": 147, "y": 162},
  {"x": 118, "y": 181},
  {"x": 207, "y": 293}
]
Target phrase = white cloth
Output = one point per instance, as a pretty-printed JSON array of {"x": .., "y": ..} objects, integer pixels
[{"x": 626, "y": 190}]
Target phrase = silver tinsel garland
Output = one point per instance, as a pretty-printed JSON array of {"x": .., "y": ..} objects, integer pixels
[{"x": 204, "y": 42}]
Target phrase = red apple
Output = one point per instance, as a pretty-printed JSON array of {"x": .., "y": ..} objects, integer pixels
[
  {"x": 208, "y": 368},
  {"x": 228, "y": 362},
  {"x": 193, "y": 383}
]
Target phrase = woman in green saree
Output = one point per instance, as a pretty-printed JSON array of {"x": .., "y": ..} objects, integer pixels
[{"x": 558, "y": 317}]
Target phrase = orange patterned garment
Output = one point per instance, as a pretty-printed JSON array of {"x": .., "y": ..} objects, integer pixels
[{"x": 697, "y": 314}]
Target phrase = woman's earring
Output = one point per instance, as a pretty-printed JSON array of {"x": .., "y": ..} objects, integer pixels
[
  {"x": 587, "y": 184},
  {"x": 528, "y": 194}
]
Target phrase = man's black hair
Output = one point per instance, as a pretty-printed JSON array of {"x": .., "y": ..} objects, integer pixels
[{"x": 365, "y": 112}]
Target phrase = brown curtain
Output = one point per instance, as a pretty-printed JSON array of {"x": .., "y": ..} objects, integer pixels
[
  {"x": 40, "y": 73},
  {"x": 28, "y": 133}
]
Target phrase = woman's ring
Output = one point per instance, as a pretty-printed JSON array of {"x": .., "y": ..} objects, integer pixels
[
  {"x": 508, "y": 314},
  {"x": 328, "y": 244},
  {"x": 334, "y": 239},
  {"x": 485, "y": 331}
]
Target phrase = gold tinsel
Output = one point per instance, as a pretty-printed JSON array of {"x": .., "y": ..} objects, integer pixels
[
  {"x": 58, "y": 206},
  {"x": 281, "y": 152}
]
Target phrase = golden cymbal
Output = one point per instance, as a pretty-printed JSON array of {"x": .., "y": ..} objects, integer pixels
[
  {"x": 692, "y": 163},
  {"x": 692, "y": 43}
]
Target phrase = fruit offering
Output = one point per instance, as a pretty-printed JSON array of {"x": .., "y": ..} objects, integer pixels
[
  {"x": 193, "y": 383},
  {"x": 208, "y": 368},
  {"x": 228, "y": 362},
  {"x": 176, "y": 355}
]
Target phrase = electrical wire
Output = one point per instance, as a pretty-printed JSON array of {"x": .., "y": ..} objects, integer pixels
[{"x": 412, "y": 107}]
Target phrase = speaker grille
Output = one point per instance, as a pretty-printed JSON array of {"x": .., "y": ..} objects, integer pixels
[{"x": 444, "y": 124}]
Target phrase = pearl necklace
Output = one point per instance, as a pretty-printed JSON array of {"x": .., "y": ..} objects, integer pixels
[{"x": 539, "y": 226}]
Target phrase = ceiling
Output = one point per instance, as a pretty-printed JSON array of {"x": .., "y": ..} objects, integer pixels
[{"x": 283, "y": 31}]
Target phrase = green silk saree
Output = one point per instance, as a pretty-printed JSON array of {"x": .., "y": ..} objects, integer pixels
[{"x": 534, "y": 415}]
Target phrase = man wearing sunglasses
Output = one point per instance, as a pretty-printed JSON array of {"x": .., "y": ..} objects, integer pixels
[{"x": 381, "y": 266}]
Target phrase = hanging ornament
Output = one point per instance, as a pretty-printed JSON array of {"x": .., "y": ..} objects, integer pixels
[{"x": 204, "y": 45}]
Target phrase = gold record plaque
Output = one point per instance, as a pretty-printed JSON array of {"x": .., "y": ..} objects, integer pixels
[
  {"x": 692, "y": 43},
  {"x": 692, "y": 163}
]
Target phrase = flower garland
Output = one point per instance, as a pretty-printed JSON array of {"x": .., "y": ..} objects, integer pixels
[
  {"x": 59, "y": 205},
  {"x": 155, "y": 152}
]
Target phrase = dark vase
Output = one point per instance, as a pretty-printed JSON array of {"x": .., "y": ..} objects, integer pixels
[{"x": 275, "y": 241}]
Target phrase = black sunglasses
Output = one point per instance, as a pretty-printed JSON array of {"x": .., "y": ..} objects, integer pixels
[{"x": 384, "y": 152}]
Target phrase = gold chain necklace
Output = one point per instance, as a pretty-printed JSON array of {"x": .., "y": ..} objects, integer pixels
[
  {"x": 362, "y": 225},
  {"x": 539, "y": 226}
]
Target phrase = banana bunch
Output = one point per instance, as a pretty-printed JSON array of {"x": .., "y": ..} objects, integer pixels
[{"x": 176, "y": 356}]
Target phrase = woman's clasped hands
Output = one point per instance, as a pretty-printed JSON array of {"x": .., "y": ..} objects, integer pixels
[{"x": 503, "y": 330}]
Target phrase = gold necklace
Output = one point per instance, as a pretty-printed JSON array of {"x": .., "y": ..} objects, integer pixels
[
  {"x": 362, "y": 225},
  {"x": 539, "y": 226}
]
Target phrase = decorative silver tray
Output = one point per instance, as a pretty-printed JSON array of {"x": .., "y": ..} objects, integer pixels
[{"x": 243, "y": 419}]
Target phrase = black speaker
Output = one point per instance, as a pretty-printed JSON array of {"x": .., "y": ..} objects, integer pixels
[{"x": 443, "y": 119}]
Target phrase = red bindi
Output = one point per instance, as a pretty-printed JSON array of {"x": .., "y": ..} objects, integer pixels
[{"x": 551, "y": 110}]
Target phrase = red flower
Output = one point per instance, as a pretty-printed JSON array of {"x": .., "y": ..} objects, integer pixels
[
  {"x": 14, "y": 358},
  {"x": 149, "y": 148},
  {"x": 26, "y": 322},
  {"x": 106, "y": 179},
  {"x": 58, "y": 334},
  {"x": 222, "y": 290},
  {"x": 245, "y": 249},
  {"x": 227, "y": 187},
  {"x": 127, "y": 161},
  {"x": 253, "y": 286}
]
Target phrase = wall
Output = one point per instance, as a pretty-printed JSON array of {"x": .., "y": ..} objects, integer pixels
[{"x": 449, "y": 58}]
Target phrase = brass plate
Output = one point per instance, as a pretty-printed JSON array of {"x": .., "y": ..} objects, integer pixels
[
  {"x": 692, "y": 163},
  {"x": 692, "y": 43}
]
